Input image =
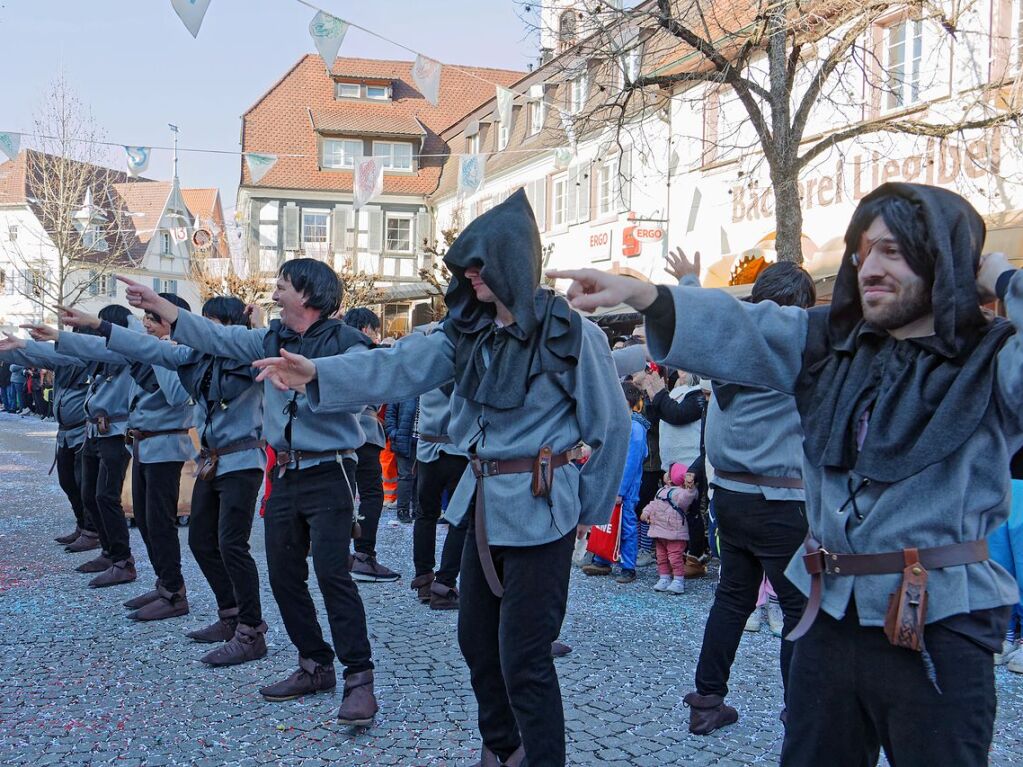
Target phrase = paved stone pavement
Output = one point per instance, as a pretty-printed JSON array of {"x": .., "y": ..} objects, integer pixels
[{"x": 80, "y": 684}]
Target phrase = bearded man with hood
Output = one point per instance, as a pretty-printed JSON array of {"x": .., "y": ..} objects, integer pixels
[
  {"x": 910, "y": 398},
  {"x": 532, "y": 379}
]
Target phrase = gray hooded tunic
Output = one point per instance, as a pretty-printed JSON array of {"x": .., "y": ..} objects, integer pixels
[{"x": 70, "y": 387}]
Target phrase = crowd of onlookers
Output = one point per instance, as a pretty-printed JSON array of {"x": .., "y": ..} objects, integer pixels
[{"x": 26, "y": 390}]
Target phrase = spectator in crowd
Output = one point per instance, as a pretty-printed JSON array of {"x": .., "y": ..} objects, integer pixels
[
  {"x": 1006, "y": 545},
  {"x": 17, "y": 389},
  {"x": 400, "y": 427},
  {"x": 666, "y": 515},
  {"x": 6, "y": 403}
]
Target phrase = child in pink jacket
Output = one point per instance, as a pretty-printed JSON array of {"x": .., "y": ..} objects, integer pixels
[{"x": 666, "y": 514}]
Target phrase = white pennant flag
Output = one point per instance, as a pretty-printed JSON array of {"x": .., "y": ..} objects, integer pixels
[
  {"x": 191, "y": 13},
  {"x": 566, "y": 123},
  {"x": 327, "y": 32},
  {"x": 505, "y": 98},
  {"x": 563, "y": 157},
  {"x": 470, "y": 173},
  {"x": 426, "y": 76},
  {"x": 259, "y": 164},
  {"x": 138, "y": 159},
  {"x": 10, "y": 143},
  {"x": 369, "y": 180}
]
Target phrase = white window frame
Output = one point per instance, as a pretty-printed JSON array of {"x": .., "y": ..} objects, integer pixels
[
  {"x": 167, "y": 285},
  {"x": 338, "y": 87},
  {"x": 348, "y": 148},
  {"x": 537, "y": 116},
  {"x": 503, "y": 135},
  {"x": 627, "y": 67},
  {"x": 385, "y": 150},
  {"x": 578, "y": 91},
  {"x": 559, "y": 212},
  {"x": 12, "y": 232},
  {"x": 384, "y": 96},
  {"x": 407, "y": 218},
  {"x": 902, "y": 86},
  {"x": 607, "y": 187},
  {"x": 166, "y": 244},
  {"x": 472, "y": 143},
  {"x": 315, "y": 248}
]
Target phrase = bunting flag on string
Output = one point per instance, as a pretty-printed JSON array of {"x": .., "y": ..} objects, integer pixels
[
  {"x": 259, "y": 164},
  {"x": 470, "y": 173},
  {"x": 10, "y": 143},
  {"x": 426, "y": 76},
  {"x": 694, "y": 210},
  {"x": 563, "y": 157},
  {"x": 138, "y": 159},
  {"x": 327, "y": 32},
  {"x": 566, "y": 123},
  {"x": 191, "y": 13},
  {"x": 505, "y": 98},
  {"x": 369, "y": 180}
]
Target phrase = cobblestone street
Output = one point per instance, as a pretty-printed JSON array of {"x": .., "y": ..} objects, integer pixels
[{"x": 83, "y": 685}]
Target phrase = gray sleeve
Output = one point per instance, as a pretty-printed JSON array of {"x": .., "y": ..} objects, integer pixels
[
  {"x": 1009, "y": 362},
  {"x": 717, "y": 336},
  {"x": 42, "y": 354},
  {"x": 170, "y": 385},
  {"x": 604, "y": 425},
  {"x": 413, "y": 367},
  {"x": 631, "y": 359},
  {"x": 146, "y": 348},
  {"x": 232, "y": 341},
  {"x": 87, "y": 347}
]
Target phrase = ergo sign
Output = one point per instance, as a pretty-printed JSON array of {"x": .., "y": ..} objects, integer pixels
[{"x": 633, "y": 237}]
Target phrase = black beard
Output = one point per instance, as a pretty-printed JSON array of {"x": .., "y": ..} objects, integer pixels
[{"x": 915, "y": 303}]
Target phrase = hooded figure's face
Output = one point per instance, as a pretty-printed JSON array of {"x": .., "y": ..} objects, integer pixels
[
  {"x": 892, "y": 295},
  {"x": 479, "y": 287}
]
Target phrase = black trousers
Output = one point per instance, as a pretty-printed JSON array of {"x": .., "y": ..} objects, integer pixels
[
  {"x": 406, "y": 466},
  {"x": 756, "y": 536},
  {"x": 69, "y": 476},
  {"x": 154, "y": 498},
  {"x": 507, "y": 645},
  {"x": 434, "y": 478},
  {"x": 218, "y": 535},
  {"x": 104, "y": 464},
  {"x": 851, "y": 693},
  {"x": 313, "y": 508},
  {"x": 369, "y": 478}
]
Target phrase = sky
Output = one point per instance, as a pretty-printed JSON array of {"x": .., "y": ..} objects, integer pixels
[{"x": 137, "y": 67}]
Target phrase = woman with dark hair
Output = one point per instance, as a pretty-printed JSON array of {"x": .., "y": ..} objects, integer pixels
[{"x": 229, "y": 476}]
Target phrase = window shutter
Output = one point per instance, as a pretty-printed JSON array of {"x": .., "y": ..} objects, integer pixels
[
  {"x": 570, "y": 194},
  {"x": 625, "y": 179},
  {"x": 290, "y": 213},
  {"x": 585, "y": 181},
  {"x": 423, "y": 231},
  {"x": 253, "y": 235},
  {"x": 93, "y": 283},
  {"x": 339, "y": 228},
  {"x": 156, "y": 284},
  {"x": 111, "y": 285},
  {"x": 376, "y": 230},
  {"x": 172, "y": 286}
]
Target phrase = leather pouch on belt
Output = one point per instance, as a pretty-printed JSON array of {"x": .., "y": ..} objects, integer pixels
[
  {"x": 543, "y": 473},
  {"x": 207, "y": 468},
  {"x": 907, "y": 607},
  {"x": 102, "y": 424}
]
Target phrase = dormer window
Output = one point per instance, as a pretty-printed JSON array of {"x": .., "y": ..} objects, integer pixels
[
  {"x": 397, "y": 155},
  {"x": 378, "y": 92},
  {"x": 349, "y": 91},
  {"x": 372, "y": 91},
  {"x": 341, "y": 153}
]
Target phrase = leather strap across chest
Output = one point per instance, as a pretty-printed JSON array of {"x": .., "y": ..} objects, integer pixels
[{"x": 819, "y": 562}]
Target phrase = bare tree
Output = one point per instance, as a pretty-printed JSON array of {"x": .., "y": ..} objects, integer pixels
[
  {"x": 787, "y": 84},
  {"x": 85, "y": 232},
  {"x": 218, "y": 277},
  {"x": 357, "y": 288}
]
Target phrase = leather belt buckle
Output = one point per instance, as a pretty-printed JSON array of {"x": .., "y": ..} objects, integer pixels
[
  {"x": 285, "y": 458},
  {"x": 816, "y": 562}
]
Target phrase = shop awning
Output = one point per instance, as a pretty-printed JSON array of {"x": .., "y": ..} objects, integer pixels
[{"x": 406, "y": 291}]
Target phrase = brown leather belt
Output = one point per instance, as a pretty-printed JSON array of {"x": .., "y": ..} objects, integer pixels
[
  {"x": 819, "y": 562},
  {"x": 71, "y": 426},
  {"x": 442, "y": 439},
  {"x": 482, "y": 469},
  {"x": 286, "y": 457},
  {"x": 234, "y": 447},
  {"x": 790, "y": 483},
  {"x": 135, "y": 436}
]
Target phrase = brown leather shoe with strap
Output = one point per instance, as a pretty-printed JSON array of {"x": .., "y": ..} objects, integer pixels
[
  {"x": 360, "y": 704},
  {"x": 115, "y": 575},
  {"x": 708, "y": 713},
  {"x": 220, "y": 631},
  {"x": 169, "y": 604},
  {"x": 86, "y": 541},
  {"x": 310, "y": 678},
  {"x": 247, "y": 644},
  {"x": 421, "y": 585},
  {"x": 71, "y": 537},
  {"x": 97, "y": 564}
]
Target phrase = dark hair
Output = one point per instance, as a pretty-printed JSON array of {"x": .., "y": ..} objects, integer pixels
[
  {"x": 903, "y": 219},
  {"x": 174, "y": 299},
  {"x": 115, "y": 314},
  {"x": 632, "y": 393},
  {"x": 786, "y": 284},
  {"x": 316, "y": 281},
  {"x": 228, "y": 309},
  {"x": 361, "y": 317}
]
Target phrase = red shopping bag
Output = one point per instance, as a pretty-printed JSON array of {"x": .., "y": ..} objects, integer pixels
[{"x": 606, "y": 540}]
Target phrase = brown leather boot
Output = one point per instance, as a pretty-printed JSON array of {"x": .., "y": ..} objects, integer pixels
[
  {"x": 144, "y": 599},
  {"x": 310, "y": 678},
  {"x": 421, "y": 585},
  {"x": 115, "y": 575},
  {"x": 359, "y": 705},
  {"x": 169, "y": 604},
  {"x": 86, "y": 541},
  {"x": 71, "y": 537},
  {"x": 443, "y": 597},
  {"x": 560, "y": 649},
  {"x": 248, "y": 643},
  {"x": 96, "y": 565},
  {"x": 708, "y": 713},
  {"x": 489, "y": 759},
  {"x": 220, "y": 631}
]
